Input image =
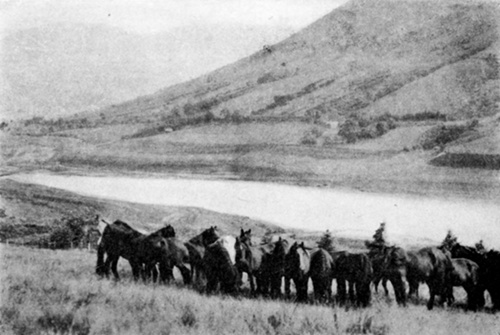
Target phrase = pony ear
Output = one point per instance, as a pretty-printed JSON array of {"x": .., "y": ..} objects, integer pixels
[
  {"x": 249, "y": 231},
  {"x": 302, "y": 245},
  {"x": 242, "y": 232}
]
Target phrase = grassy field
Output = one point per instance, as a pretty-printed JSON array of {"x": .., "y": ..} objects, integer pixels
[
  {"x": 254, "y": 151},
  {"x": 56, "y": 292}
]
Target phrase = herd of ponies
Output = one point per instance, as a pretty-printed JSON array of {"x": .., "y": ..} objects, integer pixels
[{"x": 216, "y": 263}]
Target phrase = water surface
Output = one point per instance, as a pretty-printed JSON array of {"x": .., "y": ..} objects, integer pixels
[{"x": 344, "y": 212}]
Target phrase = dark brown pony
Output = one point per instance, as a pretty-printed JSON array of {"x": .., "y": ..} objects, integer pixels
[
  {"x": 470, "y": 253},
  {"x": 379, "y": 263},
  {"x": 196, "y": 247},
  {"x": 219, "y": 269},
  {"x": 297, "y": 267},
  {"x": 466, "y": 274},
  {"x": 321, "y": 273},
  {"x": 142, "y": 251},
  {"x": 273, "y": 268},
  {"x": 249, "y": 259},
  {"x": 491, "y": 276},
  {"x": 356, "y": 270},
  {"x": 432, "y": 266},
  {"x": 115, "y": 242}
]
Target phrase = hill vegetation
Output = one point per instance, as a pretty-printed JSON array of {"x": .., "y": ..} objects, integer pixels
[{"x": 352, "y": 100}]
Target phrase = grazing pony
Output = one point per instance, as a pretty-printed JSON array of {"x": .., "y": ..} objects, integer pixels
[
  {"x": 297, "y": 267},
  {"x": 321, "y": 273},
  {"x": 393, "y": 267},
  {"x": 432, "y": 266},
  {"x": 356, "y": 270}
]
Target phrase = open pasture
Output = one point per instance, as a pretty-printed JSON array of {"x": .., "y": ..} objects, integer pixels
[{"x": 57, "y": 292}]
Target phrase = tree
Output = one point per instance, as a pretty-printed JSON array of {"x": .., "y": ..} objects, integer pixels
[
  {"x": 449, "y": 241},
  {"x": 326, "y": 242}
]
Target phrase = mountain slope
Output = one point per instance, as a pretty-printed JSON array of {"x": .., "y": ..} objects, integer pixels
[
  {"x": 64, "y": 68},
  {"x": 367, "y": 56}
]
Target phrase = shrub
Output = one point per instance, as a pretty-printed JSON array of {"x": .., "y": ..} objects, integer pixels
[
  {"x": 443, "y": 134},
  {"x": 310, "y": 137},
  {"x": 357, "y": 127}
]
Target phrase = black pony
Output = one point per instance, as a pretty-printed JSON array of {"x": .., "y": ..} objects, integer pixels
[
  {"x": 321, "y": 273},
  {"x": 470, "y": 253},
  {"x": 196, "y": 247},
  {"x": 273, "y": 268},
  {"x": 466, "y": 274},
  {"x": 250, "y": 259},
  {"x": 391, "y": 264},
  {"x": 491, "y": 276},
  {"x": 432, "y": 266},
  {"x": 143, "y": 252},
  {"x": 219, "y": 269},
  {"x": 297, "y": 267},
  {"x": 355, "y": 269}
]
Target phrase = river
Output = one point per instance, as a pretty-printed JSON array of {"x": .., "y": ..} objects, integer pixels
[{"x": 349, "y": 213}]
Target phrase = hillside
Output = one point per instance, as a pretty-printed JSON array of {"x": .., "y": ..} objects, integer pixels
[
  {"x": 423, "y": 76},
  {"x": 36, "y": 207},
  {"x": 398, "y": 57}
]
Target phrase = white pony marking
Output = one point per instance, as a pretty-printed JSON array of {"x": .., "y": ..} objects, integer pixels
[
  {"x": 228, "y": 243},
  {"x": 100, "y": 227}
]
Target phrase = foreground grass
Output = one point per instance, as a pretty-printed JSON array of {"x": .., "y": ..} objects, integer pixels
[{"x": 56, "y": 292}]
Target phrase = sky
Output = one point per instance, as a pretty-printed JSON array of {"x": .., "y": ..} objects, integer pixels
[{"x": 162, "y": 15}]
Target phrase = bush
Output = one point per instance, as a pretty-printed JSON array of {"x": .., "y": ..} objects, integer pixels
[
  {"x": 357, "y": 127},
  {"x": 310, "y": 137},
  {"x": 69, "y": 233},
  {"x": 443, "y": 134}
]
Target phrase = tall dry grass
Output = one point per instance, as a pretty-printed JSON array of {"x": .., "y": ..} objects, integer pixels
[{"x": 56, "y": 292}]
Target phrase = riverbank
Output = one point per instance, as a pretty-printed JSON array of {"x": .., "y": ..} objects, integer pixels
[{"x": 346, "y": 213}]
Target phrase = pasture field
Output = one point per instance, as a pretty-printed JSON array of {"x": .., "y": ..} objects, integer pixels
[{"x": 56, "y": 292}]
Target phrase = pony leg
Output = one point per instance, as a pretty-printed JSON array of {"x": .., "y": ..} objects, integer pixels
[
  {"x": 154, "y": 273},
  {"x": 352, "y": 295},
  {"x": 287, "y": 287},
  {"x": 166, "y": 273},
  {"x": 114, "y": 267},
  {"x": 251, "y": 280},
  {"x": 432, "y": 291},
  {"x": 384, "y": 285},
  {"x": 341, "y": 291},
  {"x": 186, "y": 273},
  {"x": 100, "y": 268},
  {"x": 399, "y": 289}
]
